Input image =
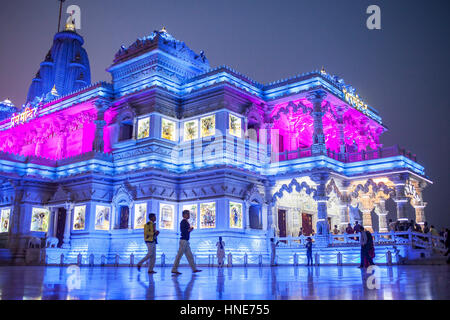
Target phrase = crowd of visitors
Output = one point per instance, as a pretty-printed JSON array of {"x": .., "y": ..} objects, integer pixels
[{"x": 365, "y": 239}]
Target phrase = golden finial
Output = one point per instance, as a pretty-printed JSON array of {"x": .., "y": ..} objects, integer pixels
[
  {"x": 70, "y": 27},
  {"x": 54, "y": 92},
  {"x": 322, "y": 71},
  {"x": 163, "y": 30}
]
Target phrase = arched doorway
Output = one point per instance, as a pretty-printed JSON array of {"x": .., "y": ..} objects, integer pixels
[
  {"x": 124, "y": 217},
  {"x": 295, "y": 208},
  {"x": 255, "y": 216}
]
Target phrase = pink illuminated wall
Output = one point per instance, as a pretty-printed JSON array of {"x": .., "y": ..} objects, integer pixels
[
  {"x": 293, "y": 127},
  {"x": 56, "y": 136}
]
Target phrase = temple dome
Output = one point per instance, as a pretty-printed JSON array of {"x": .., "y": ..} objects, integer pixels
[{"x": 65, "y": 68}]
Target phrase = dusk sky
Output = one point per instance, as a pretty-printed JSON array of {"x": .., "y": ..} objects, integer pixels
[{"x": 401, "y": 70}]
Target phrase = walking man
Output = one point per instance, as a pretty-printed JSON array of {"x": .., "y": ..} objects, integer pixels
[
  {"x": 185, "y": 229},
  {"x": 150, "y": 234}
]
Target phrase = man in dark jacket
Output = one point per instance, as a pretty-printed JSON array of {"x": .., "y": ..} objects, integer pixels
[{"x": 184, "y": 248}]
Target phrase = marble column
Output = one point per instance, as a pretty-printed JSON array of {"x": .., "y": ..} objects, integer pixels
[
  {"x": 316, "y": 98},
  {"x": 344, "y": 217},
  {"x": 420, "y": 212},
  {"x": 345, "y": 203},
  {"x": 382, "y": 213},
  {"x": 52, "y": 222},
  {"x": 268, "y": 141},
  {"x": 271, "y": 228},
  {"x": 100, "y": 124},
  {"x": 67, "y": 228},
  {"x": 98, "y": 140},
  {"x": 367, "y": 207},
  {"x": 400, "y": 197},
  {"x": 247, "y": 215},
  {"x": 321, "y": 198}
]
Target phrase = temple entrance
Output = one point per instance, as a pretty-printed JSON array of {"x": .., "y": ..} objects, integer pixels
[
  {"x": 254, "y": 219},
  {"x": 282, "y": 223},
  {"x": 307, "y": 224},
  {"x": 124, "y": 216},
  {"x": 61, "y": 225}
]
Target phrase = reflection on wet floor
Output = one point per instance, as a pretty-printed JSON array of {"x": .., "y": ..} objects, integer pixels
[{"x": 297, "y": 283}]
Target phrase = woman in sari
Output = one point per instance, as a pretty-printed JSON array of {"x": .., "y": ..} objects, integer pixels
[{"x": 220, "y": 252}]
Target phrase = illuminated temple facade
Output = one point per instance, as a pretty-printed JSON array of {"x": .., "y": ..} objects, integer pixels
[{"x": 83, "y": 164}]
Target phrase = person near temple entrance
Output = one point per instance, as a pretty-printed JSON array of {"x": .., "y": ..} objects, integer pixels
[
  {"x": 367, "y": 248},
  {"x": 391, "y": 225},
  {"x": 184, "y": 248},
  {"x": 417, "y": 228},
  {"x": 300, "y": 232},
  {"x": 426, "y": 229},
  {"x": 447, "y": 245},
  {"x": 357, "y": 227},
  {"x": 335, "y": 230},
  {"x": 150, "y": 237},
  {"x": 309, "y": 251},
  {"x": 435, "y": 233},
  {"x": 273, "y": 247},
  {"x": 349, "y": 229},
  {"x": 220, "y": 252}
]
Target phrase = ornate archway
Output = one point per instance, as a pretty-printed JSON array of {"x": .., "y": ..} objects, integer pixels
[
  {"x": 371, "y": 194},
  {"x": 296, "y": 207},
  {"x": 255, "y": 206},
  {"x": 123, "y": 198}
]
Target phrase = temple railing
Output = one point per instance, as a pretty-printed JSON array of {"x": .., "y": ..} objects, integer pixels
[
  {"x": 347, "y": 157},
  {"x": 415, "y": 239}
]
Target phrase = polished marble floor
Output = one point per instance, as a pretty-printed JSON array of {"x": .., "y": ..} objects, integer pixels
[{"x": 297, "y": 283}]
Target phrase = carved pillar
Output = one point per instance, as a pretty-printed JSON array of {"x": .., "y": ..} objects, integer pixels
[
  {"x": 52, "y": 222},
  {"x": 340, "y": 110},
  {"x": 100, "y": 124},
  {"x": 247, "y": 215},
  {"x": 321, "y": 198},
  {"x": 316, "y": 98},
  {"x": 345, "y": 203},
  {"x": 66, "y": 241},
  {"x": 382, "y": 213},
  {"x": 268, "y": 132},
  {"x": 420, "y": 212},
  {"x": 135, "y": 128},
  {"x": 268, "y": 185},
  {"x": 367, "y": 203},
  {"x": 400, "y": 198}
]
